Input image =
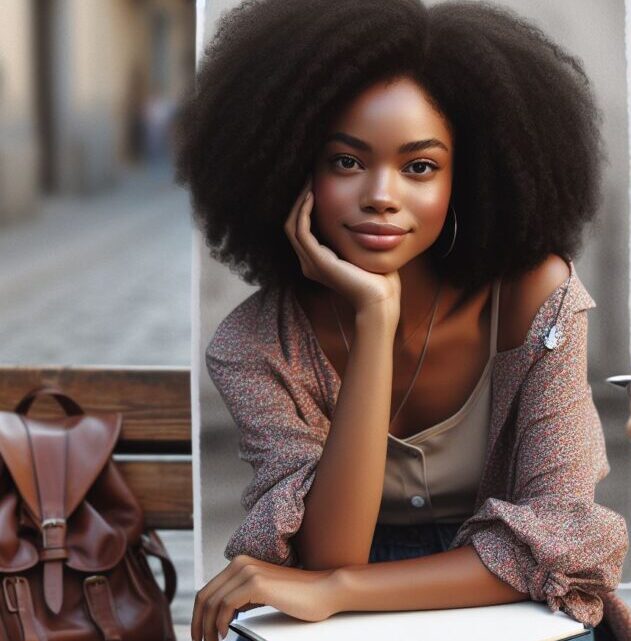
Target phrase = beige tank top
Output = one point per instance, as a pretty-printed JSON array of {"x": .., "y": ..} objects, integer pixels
[{"x": 434, "y": 475}]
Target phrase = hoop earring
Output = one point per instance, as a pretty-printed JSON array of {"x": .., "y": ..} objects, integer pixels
[{"x": 453, "y": 240}]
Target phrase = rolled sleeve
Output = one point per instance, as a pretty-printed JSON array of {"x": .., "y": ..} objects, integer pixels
[
  {"x": 545, "y": 536},
  {"x": 282, "y": 431},
  {"x": 566, "y": 556},
  {"x": 273, "y": 519}
]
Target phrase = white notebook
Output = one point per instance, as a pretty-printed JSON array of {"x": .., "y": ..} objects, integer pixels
[{"x": 523, "y": 621}]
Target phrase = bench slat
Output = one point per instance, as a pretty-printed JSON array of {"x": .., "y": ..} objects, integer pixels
[
  {"x": 155, "y": 401},
  {"x": 163, "y": 489}
]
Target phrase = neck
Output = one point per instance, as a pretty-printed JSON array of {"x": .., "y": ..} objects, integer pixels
[{"x": 419, "y": 286}]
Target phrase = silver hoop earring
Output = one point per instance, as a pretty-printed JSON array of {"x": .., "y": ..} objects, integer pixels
[{"x": 453, "y": 240}]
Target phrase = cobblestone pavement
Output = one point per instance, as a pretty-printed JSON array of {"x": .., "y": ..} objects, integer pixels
[{"x": 105, "y": 280}]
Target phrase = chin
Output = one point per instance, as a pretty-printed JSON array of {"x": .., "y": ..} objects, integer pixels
[{"x": 377, "y": 262}]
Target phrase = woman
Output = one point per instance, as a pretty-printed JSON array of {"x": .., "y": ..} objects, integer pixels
[{"x": 409, "y": 381}]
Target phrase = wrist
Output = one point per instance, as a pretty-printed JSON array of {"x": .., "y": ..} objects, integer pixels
[
  {"x": 341, "y": 590},
  {"x": 382, "y": 316}
]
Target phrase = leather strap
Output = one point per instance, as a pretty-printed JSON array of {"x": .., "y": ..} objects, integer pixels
[
  {"x": 98, "y": 596},
  {"x": 153, "y": 545},
  {"x": 69, "y": 406},
  {"x": 54, "y": 585},
  {"x": 53, "y": 553},
  {"x": 50, "y": 456},
  {"x": 18, "y": 599}
]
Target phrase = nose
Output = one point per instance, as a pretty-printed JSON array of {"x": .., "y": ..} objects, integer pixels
[{"x": 380, "y": 195}]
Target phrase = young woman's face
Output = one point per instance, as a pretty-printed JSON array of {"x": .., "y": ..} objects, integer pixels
[{"x": 387, "y": 159}]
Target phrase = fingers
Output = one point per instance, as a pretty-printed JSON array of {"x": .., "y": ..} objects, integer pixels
[
  {"x": 303, "y": 227},
  {"x": 290, "y": 223},
  {"x": 233, "y": 568},
  {"x": 228, "y": 606},
  {"x": 299, "y": 217},
  {"x": 220, "y": 607},
  {"x": 291, "y": 219},
  {"x": 316, "y": 259},
  {"x": 307, "y": 187},
  {"x": 200, "y": 601},
  {"x": 213, "y": 603}
]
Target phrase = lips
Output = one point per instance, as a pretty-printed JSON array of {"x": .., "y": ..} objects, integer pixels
[
  {"x": 378, "y": 236},
  {"x": 378, "y": 229}
]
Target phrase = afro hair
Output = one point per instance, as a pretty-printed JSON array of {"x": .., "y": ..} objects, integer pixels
[{"x": 528, "y": 149}]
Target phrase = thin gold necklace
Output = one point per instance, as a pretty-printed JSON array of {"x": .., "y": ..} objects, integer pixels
[
  {"x": 423, "y": 351},
  {"x": 405, "y": 340}
]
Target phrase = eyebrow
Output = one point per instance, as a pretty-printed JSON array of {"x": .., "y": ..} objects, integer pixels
[{"x": 415, "y": 145}]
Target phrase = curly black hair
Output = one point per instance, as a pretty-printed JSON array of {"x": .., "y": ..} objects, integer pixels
[{"x": 528, "y": 151}]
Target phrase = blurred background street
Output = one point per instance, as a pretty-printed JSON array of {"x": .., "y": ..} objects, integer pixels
[{"x": 95, "y": 239}]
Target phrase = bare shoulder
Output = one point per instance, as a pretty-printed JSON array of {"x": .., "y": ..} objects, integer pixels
[{"x": 521, "y": 298}]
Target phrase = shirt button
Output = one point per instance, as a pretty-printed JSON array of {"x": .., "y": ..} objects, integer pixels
[{"x": 417, "y": 501}]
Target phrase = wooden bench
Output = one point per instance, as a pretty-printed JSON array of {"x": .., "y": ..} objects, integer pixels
[{"x": 154, "y": 449}]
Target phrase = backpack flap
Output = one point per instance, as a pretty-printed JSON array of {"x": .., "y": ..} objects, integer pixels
[
  {"x": 16, "y": 553},
  {"x": 53, "y": 465},
  {"x": 104, "y": 524}
]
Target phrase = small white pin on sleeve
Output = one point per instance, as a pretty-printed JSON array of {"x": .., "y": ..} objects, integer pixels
[{"x": 551, "y": 339}]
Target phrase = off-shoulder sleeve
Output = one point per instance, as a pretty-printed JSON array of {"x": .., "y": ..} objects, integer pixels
[
  {"x": 547, "y": 537},
  {"x": 282, "y": 432}
]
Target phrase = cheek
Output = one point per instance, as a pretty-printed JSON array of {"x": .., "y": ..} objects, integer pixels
[
  {"x": 435, "y": 207},
  {"x": 332, "y": 202},
  {"x": 431, "y": 207}
]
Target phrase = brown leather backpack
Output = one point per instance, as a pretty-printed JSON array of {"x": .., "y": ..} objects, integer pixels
[{"x": 73, "y": 549}]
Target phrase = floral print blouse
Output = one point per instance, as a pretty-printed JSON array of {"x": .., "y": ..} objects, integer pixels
[{"x": 535, "y": 524}]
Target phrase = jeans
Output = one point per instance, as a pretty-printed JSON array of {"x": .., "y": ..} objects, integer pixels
[{"x": 396, "y": 542}]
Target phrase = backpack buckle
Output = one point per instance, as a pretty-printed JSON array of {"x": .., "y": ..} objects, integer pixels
[
  {"x": 9, "y": 601},
  {"x": 47, "y": 525}
]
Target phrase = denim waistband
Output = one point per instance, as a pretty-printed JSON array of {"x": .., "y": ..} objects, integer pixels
[
  {"x": 415, "y": 534},
  {"x": 393, "y": 542}
]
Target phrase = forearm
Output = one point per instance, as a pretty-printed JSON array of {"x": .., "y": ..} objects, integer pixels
[
  {"x": 342, "y": 506},
  {"x": 453, "y": 579}
]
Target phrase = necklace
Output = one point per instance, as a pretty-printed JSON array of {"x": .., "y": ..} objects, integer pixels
[{"x": 419, "y": 363}]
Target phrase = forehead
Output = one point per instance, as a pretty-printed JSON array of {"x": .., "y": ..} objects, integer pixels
[{"x": 393, "y": 109}]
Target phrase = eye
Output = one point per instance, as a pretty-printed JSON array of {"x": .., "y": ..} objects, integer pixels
[
  {"x": 348, "y": 162},
  {"x": 424, "y": 168},
  {"x": 430, "y": 167}
]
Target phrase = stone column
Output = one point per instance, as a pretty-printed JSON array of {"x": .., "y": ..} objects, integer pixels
[
  {"x": 18, "y": 145},
  {"x": 82, "y": 77}
]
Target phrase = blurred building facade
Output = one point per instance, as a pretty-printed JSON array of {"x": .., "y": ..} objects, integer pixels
[{"x": 87, "y": 88}]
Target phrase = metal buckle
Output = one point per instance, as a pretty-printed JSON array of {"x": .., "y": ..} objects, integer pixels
[
  {"x": 48, "y": 523},
  {"x": 11, "y": 606},
  {"x": 94, "y": 579}
]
